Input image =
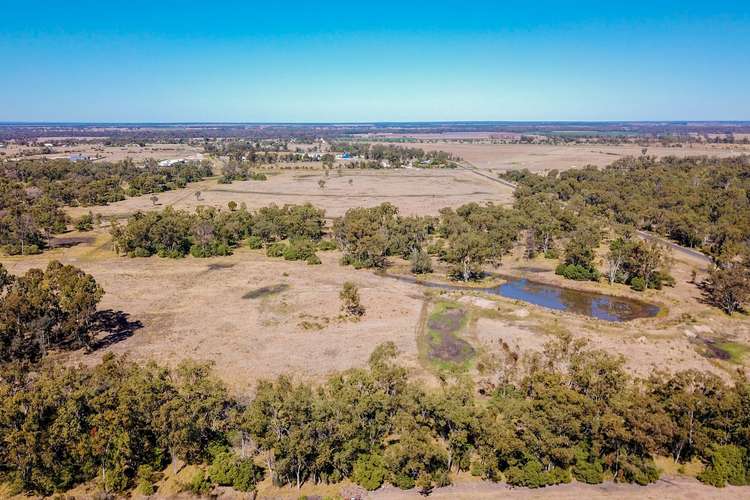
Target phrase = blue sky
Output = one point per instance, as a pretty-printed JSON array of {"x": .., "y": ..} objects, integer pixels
[{"x": 268, "y": 61}]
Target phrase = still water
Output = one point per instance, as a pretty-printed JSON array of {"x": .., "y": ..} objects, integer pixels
[{"x": 595, "y": 305}]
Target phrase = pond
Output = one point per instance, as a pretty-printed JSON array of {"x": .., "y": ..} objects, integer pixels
[
  {"x": 593, "y": 304},
  {"x": 596, "y": 305}
]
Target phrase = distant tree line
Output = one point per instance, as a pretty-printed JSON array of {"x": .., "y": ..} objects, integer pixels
[
  {"x": 90, "y": 183},
  {"x": 33, "y": 192}
]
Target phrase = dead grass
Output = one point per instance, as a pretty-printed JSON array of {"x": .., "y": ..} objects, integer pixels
[{"x": 543, "y": 157}]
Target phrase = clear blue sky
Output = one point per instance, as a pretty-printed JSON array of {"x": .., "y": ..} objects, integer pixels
[{"x": 374, "y": 61}]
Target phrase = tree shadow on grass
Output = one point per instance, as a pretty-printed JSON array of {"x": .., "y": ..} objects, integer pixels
[
  {"x": 265, "y": 291},
  {"x": 110, "y": 327}
]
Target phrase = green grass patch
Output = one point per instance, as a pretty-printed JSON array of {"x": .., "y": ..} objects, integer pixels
[
  {"x": 440, "y": 340},
  {"x": 735, "y": 350}
]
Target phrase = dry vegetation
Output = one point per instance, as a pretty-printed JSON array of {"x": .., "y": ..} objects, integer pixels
[
  {"x": 256, "y": 317},
  {"x": 546, "y": 157}
]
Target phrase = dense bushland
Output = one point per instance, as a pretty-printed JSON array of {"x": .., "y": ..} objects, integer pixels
[
  {"x": 571, "y": 412},
  {"x": 698, "y": 202}
]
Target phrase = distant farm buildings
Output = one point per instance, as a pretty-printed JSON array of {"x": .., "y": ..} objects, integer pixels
[
  {"x": 169, "y": 163},
  {"x": 78, "y": 157}
]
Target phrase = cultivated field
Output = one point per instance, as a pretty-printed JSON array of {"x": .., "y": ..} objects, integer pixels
[
  {"x": 413, "y": 191},
  {"x": 545, "y": 157},
  {"x": 100, "y": 152}
]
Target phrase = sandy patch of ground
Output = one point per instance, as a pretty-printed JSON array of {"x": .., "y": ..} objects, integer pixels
[
  {"x": 669, "y": 487},
  {"x": 247, "y": 313}
]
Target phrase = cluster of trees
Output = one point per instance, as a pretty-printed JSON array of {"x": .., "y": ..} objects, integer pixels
[
  {"x": 469, "y": 237},
  {"x": 156, "y": 179},
  {"x": 638, "y": 263},
  {"x": 45, "y": 309},
  {"x": 698, "y": 202},
  {"x": 117, "y": 422},
  {"x": 98, "y": 183},
  {"x": 570, "y": 412},
  {"x": 580, "y": 255},
  {"x": 27, "y": 218},
  {"x": 210, "y": 231},
  {"x": 728, "y": 284},
  {"x": 395, "y": 156},
  {"x": 240, "y": 171},
  {"x": 33, "y": 192}
]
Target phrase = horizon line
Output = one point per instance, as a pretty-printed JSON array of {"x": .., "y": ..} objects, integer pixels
[{"x": 366, "y": 122}]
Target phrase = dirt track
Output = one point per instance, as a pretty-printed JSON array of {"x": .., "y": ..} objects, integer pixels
[{"x": 669, "y": 487}]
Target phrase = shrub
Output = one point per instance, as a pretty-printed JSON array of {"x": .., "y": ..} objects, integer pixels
[
  {"x": 26, "y": 250},
  {"x": 639, "y": 470},
  {"x": 660, "y": 279},
  {"x": 85, "y": 222},
  {"x": 420, "y": 262},
  {"x": 326, "y": 245},
  {"x": 140, "y": 252},
  {"x": 254, "y": 242},
  {"x": 424, "y": 483},
  {"x": 300, "y": 249},
  {"x": 588, "y": 469},
  {"x": 369, "y": 471},
  {"x": 247, "y": 475},
  {"x": 577, "y": 272},
  {"x": 441, "y": 478},
  {"x": 533, "y": 475},
  {"x": 198, "y": 485},
  {"x": 435, "y": 248},
  {"x": 313, "y": 260},
  {"x": 638, "y": 284},
  {"x": 275, "y": 249},
  {"x": 146, "y": 479},
  {"x": 212, "y": 249},
  {"x": 229, "y": 470},
  {"x": 350, "y": 302},
  {"x": 727, "y": 465}
]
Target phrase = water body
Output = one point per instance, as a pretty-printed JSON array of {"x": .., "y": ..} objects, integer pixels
[{"x": 595, "y": 305}]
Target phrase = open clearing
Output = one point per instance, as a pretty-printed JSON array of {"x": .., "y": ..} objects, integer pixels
[
  {"x": 100, "y": 152},
  {"x": 258, "y": 317},
  {"x": 545, "y": 157},
  {"x": 413, "y": 191}
]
